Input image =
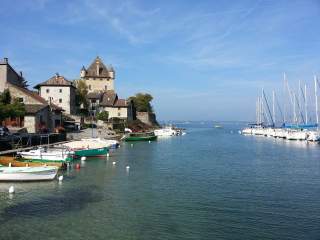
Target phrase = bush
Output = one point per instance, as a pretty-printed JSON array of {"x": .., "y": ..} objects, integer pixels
[{"x": 103, "y": 116}]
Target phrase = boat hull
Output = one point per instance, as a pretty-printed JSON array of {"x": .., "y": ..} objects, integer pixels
[
  {"x": 140, "y": 138},
  {"x": 91, "y": 152},
  {"x": 11, "y": 161},
  {"x": 28, "y": 173}
]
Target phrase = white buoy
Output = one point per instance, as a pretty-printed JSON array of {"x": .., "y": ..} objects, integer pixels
[
  {"x": 11, "y": 189},
  {"x": 9, "y": 164},
  {"x": 127, "y": 167},
  {"x": 83, "y": 158},
  {"x": 149, "y": 141},
  {"x": 60, "y": 178},
  {"x": 131, "y": 145},
  {"x": 114, "y": 163},
  {"x": 108, "y": 155}
]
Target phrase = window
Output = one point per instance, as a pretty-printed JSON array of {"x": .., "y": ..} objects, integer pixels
[
  {"x": 20, "y": 99},
  {"x": 119, "y": 108},
  {"x": 105, "y": 87},
  {"x": 47, "y": 91},
  {"x": 60, "y": 90},
  {"x": 60, "y": 100},
  {"x": 119, "y": 114},
  {"x": 93, "y": 100},
  {"x": 89, "y": 87}
]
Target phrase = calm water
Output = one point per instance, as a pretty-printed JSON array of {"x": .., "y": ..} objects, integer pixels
[{"x": 208, "y": 184}]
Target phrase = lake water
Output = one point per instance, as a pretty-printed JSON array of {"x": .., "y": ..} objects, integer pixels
[{"x": 209, "y": 184}]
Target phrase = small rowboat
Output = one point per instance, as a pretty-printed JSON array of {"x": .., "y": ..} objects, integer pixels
[{"x": 28, "y": 173}]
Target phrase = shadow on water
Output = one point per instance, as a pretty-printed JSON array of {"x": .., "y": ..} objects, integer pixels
[{"x": 67, "y": 201}]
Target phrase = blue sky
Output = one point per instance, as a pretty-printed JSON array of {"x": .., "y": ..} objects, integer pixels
[{"x": 201, "y": 60}]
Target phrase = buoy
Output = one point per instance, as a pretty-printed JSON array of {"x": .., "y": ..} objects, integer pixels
[
  {"x": 114, "y": 163},
  {"x": 149, "y": 141},
  {"x": 11, "y": 189},
  {"x": 77, "y": 166},
  {"x": 108, "y": 155},
  {"x": 131, "y": 145},
  {"x": 119, "y": 146},
  {"x": 127, "y": 167},
  {"x": 83, "y": 158},
  {"x": 60, "y": 178},
  {"x": 9, "y": 164}
]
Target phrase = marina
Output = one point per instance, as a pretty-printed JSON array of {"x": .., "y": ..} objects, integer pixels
[{"x": 177, "y": 188}]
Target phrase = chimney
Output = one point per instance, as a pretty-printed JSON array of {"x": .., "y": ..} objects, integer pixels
[
  {"x": 21, "y": 74},
  {"x": 5, "y": 60}
]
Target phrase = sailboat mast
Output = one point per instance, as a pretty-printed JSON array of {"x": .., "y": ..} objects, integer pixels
[
  {"x": 273, "y": 108},
  {"x": 305, "y": 104},
  {"x": 294, "y": 109},
  {"x": 284, "y": 96},
  {"x": 316, "y": 99}
]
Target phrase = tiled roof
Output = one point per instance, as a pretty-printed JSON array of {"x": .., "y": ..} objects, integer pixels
[
  {"x": 121, "y": 103},
  {"x": 34, "y": 108},
  {"x": 97, "y": 69},
  {"x": 110, "y": 99},
  {"x": 94, "y": 95},
  {"x": 56, "y": 80}
]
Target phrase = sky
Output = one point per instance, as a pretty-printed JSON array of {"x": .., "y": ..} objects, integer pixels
[{"x": 201, "y": 60}]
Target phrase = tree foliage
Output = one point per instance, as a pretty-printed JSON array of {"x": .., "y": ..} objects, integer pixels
[
  {"x": 142, "y": 102},
  {"x": 81, "y": 94},
  {"x": 10, "y": 107},
  {"x": 103, "y": 116}
]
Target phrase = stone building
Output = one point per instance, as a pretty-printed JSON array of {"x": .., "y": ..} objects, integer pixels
[
  {"x": 59, "y": 91},
  {"x": 39, "y": 114},
  {"x": 9, "y": 75},
  {"x": 102, "y": 95},
  {"x": 98, "y": 77},
  {"x": 110, "y": 102}
]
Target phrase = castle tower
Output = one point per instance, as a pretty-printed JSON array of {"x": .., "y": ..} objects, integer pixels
[{"x": 98, "y": 77}]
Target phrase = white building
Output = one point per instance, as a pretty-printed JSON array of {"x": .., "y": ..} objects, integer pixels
[{"x": 59, "y": 91}]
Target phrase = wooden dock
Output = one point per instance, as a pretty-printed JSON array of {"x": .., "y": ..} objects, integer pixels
[{"x": 12, "y": 151}]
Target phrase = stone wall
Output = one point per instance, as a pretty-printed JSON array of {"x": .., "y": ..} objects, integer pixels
[
  {"x": 99, "y": 84},
  {"x": 147, "y": 118},
  {"x": 121, "y": 112},
  {"x": 17, "y": 93},
  {"x": 3, "y": 77}
]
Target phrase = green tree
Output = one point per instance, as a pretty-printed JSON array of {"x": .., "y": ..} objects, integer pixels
[
  {"x": 10, "y": 107},
  {"x": 142, "y": 102},
  {"x": 81, "y": 94},
  {"x": 103, "y": 116}
]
